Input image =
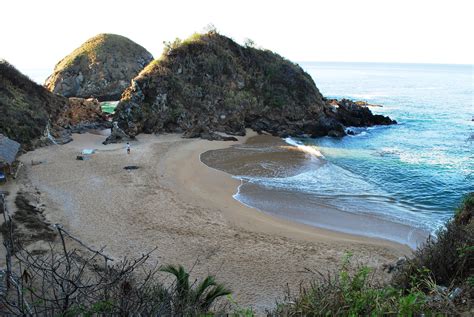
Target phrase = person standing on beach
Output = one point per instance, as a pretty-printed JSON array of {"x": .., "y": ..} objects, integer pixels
[{"x": 128, "y": 148}]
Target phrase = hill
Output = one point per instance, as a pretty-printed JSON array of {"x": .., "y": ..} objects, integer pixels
[
  {"x": 32, "y": 115},
  {"x": 209, "y": 84},
  {"x": 101, "y": 68},
  {"x": 26, "y": 107}
]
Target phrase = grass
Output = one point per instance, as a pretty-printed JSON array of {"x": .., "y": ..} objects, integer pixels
[
  {"x": 96, "y": 47},
  {"x": 91, "y": 49}
]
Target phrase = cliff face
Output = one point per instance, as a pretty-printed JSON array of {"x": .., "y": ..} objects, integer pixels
[
  {"x": 25, "y": 107},
  {"x": 209, "y": 84},
  {"x": 28, "y": 109},
  {"x": 100, "y": 68}
]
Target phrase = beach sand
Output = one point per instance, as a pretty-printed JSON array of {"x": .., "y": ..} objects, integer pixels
[{"x": 175, "y": 203}]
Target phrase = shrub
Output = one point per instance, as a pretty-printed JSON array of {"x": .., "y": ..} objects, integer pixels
[
  {"x": 449, "y": 257},
  {"x": 351, "y": 294}
]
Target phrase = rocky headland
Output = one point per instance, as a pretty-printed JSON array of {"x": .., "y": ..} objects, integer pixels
[
  {"x": 100, "y": 68},
  {"x": 208, "y": 85},
  {"x": 33, "y": 116}
]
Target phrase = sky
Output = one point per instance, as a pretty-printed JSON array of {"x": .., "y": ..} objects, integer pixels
[{"x": 35, "y": 35}]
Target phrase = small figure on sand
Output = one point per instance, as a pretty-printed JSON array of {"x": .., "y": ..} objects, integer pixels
[{"x": 128, "y": 148}]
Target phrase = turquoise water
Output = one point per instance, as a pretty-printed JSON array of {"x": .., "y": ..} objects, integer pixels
[
  {"x": 412, "y": 174},
  {"x": 425, "y": 163},
  {"x": 405, "y": 180}
]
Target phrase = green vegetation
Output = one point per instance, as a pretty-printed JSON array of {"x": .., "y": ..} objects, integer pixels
[
  {"x": 93, "y": 48},
  {"x": 353, "y": 294},
  {"x": 189, "y": 300},
  {"x": 26, "y": 107},
  {"x": 101, "y": 68},
  {"x": 437, "y": 280},
  {"x": 449, "y": 258},
  {"x": 199, "y": 79}
]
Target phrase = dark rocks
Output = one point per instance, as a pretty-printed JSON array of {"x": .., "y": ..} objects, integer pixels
[
  {"x": 350, "y": 132},
  {"x": 209, "y": 85},
  {"x": 35, "y": 117},
  {"x": 217, "y": 137},
  {"x": 80, "y": 115},
  {"x": 395, "y": 267},
  {"x": 100, "y": 68},
  {"x": 356, "y": 114},
  {"x": 29, "y": 224},
  {"x": 26, "y": 108},
  {"x": 117, "y": 135}
]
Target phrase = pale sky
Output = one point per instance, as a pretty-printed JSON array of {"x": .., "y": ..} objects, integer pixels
[{"x": 37, "y": 34}]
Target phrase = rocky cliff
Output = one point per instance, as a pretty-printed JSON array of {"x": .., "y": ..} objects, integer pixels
[
  {"x": 101, "y": 68},
  {"x": 26, "y": 108},
  {"x": 29, "y": 111},
  {"x": 209, "y": 84}
]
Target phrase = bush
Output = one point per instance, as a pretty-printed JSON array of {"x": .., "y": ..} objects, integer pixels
[
  {"x": 438, "y": 279},
  {"x": 450, "y": 257},
  {"x": 352, "y": 294}
]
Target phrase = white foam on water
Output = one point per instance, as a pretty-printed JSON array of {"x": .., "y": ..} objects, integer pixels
[
  {"x": 312, "y": 151},
  {"x": 344, "y": 190}
]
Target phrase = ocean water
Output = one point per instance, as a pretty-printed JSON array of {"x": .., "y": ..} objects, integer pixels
[
  {"x": 413, "y": 173},
  {"x": 409, "y": 175}
]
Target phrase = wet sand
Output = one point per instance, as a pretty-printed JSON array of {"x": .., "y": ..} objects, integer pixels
[
  {"x": 266, "y": 157},
  {"x": 176, "y": 203}
]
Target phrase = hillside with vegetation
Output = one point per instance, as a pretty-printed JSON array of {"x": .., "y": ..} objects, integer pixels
[
  {"x": 437, "y": 280},
  {"x": 33, "y": 116},
  {"x": 26, "y": 107},
  {"x": 101, "y": 68},
  {"x": 209, "y": 84}
]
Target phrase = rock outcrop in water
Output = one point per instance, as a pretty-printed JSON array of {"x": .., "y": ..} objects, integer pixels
[
  {"x": 33, "y": 116},
  {"x": 101, "y": 68},
  {"x": 357, "y": 114},
  {"x": 209, "y": 84}
]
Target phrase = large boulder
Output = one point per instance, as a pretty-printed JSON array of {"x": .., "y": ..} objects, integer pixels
[
  {"x": 101, "y": 68},
  {"x": 208, "y": 84}
]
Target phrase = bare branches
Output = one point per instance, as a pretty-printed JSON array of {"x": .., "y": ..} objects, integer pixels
[{"x": 72, "y": 278}]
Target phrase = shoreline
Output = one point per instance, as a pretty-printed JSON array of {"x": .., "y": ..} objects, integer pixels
[
  {"x": 250, "y": 217},
  {"x": 185, "y": 209}
]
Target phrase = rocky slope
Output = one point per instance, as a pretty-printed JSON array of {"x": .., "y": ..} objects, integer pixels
[
  {"x": 101, "y": 68},
  {"x": 29, "y": 111},
  {"x": 26, "y": 108},
  {"x": 209, "y": 84}
]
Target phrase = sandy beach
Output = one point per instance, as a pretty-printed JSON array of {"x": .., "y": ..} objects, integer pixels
[{"x": 175, "y": 203}]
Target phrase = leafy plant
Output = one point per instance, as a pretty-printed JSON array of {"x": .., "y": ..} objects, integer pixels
[{"x": 200, "y": 297}]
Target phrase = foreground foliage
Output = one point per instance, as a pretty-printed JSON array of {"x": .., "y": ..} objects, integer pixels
[
  {"x": 75, "y": 280},
  {"x": 352, "y": 294},
  {"x": 438, "y": 279},
  {"x": 72, "y": 279}
]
